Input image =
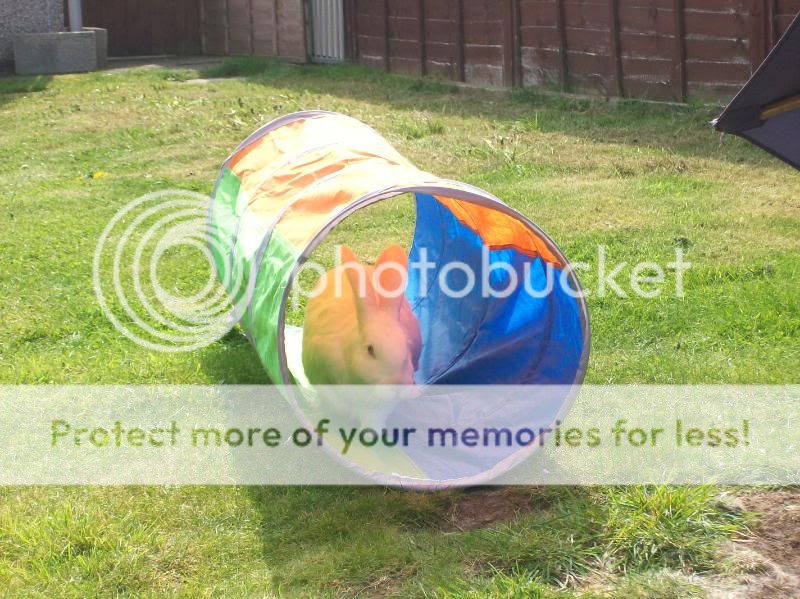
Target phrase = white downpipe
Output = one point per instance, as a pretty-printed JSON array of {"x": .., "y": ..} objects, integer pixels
[{"x": 75, "y": 15}]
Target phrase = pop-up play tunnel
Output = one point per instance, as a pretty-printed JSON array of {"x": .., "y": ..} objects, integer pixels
[{"x": 292, "y": 181}]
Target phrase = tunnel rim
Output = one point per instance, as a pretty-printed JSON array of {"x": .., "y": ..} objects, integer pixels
[{"x": 456, "y": 191}]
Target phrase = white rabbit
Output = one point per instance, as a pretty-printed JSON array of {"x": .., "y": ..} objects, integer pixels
[{"x": 359, "y": 328}]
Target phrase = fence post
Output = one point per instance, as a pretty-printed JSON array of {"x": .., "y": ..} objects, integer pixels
[
  {"x": 758, "y": 26},
  {"x": 519, "y": 75},
  {"x": 616, "y": 52},
  {"x": 227, "y": 40},
  {"x": 203, "y": 34},
  {"x": 351, "y": 18},
  {"x": 252, "y": 28},
  {"x": 509, "y": 39},
  {"x": 386, "y": 35},
  {"x": 772, "y": 28},
  {"x": 423, "y": 59},
  {"x": 563, "y": 71},
  {"x": 276, "y": 49},
  {"x": 679, "y": 58},
  {"x": 513, "y": 39},
  {"x": 459, "y": 18}
]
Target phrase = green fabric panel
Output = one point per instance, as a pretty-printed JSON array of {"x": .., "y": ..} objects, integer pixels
[
  {"x": 250, "y": 237},
  {"x": 271, "y": 281},
  {"x": 236, "y": 236},
  {"x": 223, "y": 221}
]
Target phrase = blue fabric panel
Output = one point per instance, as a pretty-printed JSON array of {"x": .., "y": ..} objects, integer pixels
[
  {"x": 779, "y": 136},
  {"x": 519, "y": 339}
]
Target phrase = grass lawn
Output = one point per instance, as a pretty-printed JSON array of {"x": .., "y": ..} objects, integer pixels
[{"x": 638, "y": 179}]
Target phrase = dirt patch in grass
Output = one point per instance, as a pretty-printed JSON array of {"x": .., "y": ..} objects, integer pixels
[
  {"x": 479, "y": 508},
  {"x": 778, "y": 528},
  {"x": 777, "y": 538},
  {"x": 768, "y": 562}
]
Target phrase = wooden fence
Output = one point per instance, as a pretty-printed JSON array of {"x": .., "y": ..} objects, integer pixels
[
  {"x": 140, "y": 27},
  {"x": 660, "y": 49},
  {"x": 261, "y": 27},
  {"x": 218, "y": 27}
]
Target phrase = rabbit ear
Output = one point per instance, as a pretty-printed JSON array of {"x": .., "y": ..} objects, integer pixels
[
  {"x": 392, "y": 276},
  {"x": 358, "y": 279},
  {"x": 346, "y": 255}
]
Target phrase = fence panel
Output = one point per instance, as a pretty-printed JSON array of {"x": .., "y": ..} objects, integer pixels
[{"x": 146, "y": 27}]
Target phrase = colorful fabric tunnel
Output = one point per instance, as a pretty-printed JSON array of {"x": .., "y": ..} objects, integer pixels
[{"x": 292, "y": 181}]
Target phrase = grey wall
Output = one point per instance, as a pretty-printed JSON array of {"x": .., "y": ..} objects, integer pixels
[{"x": 27, "y": 16}]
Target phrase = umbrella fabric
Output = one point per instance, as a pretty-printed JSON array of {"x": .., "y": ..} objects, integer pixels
[{"x": 767, "y": 110}]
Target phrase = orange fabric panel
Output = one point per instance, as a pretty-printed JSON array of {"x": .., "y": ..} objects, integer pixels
[
  {"x": 312, "y": 211},
  {"x": 313, "y": 162},
  {"x": 292, "y": 147},
  {"x": 499, "y": 230},
  {"x": 268, "y": 148},
  {"x": 352, "y": 172}
]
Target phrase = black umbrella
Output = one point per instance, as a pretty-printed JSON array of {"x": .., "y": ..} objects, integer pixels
[{"x": 767, "y": 110}]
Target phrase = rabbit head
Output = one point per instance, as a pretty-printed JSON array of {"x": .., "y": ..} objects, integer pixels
[{"x": 382, "y": 352}]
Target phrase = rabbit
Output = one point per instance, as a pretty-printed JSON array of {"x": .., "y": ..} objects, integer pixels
[{"x": 356, "y": 335}]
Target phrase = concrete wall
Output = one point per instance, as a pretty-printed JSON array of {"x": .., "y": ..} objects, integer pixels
[{"x": 27, "y": 16}]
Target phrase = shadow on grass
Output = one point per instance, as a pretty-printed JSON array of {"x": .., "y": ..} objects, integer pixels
[
  {"x": 683, "y": 130},
  {"x": 233, "y": 361},
  {"x": 385, "y": 539},
  {"x": 13, "y": 88},
  {"x": 360, "y": 538}
]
